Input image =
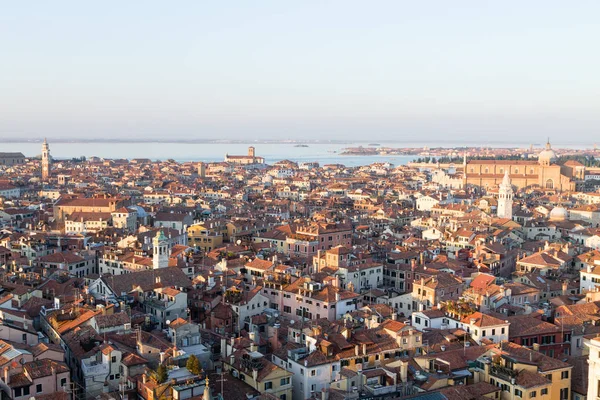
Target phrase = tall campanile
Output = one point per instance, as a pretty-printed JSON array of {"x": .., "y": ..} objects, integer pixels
[{"x": 45, "y": 161}]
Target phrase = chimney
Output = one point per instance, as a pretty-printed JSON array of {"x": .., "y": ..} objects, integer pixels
[
  {"x": 356, "y": 350},
  {"x": 255, "y": 375},
  {"x": 223, "y": 348},
  {"x": 364, "y": 348},
  {"x": 53, "y": 370},
  {"x": 394, "y": 316},
  {"x": 144, "y": 378},
  {"x": 404, "y": 371},
  {"x": 6, "y": 375},
  {"x": 231, "y": 359}
]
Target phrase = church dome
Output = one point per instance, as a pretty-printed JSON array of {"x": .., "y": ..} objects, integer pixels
[
  {"x": 559, "y": 214},
  {"x": 547, "y": 156}
]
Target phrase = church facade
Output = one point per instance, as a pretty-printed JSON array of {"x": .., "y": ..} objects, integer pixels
[
  {"x": 543, "y": 173},
  {"x": 251, "y": 158}
]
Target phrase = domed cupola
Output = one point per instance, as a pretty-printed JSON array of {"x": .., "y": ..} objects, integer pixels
[{"x": 547, "y": 156}]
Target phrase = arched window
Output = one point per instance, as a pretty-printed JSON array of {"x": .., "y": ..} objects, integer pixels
[
  {"x": 549, "y": 184},
  {"x": 516, "y": 170},
  {"x": 502, "y": 170},
  {"x": 487, "y": 170}
]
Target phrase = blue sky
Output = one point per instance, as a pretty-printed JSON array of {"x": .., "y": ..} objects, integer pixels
[{"x": 399, "y": 70}]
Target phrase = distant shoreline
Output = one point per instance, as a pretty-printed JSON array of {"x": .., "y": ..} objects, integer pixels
[{"x": 430, "y": 144}]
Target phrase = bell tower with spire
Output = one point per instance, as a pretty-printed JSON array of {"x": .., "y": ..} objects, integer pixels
[
  {"x": 45, "y": 160},
  {"x": 160, "y": 251},
  {"x": 505, "y": 198}
]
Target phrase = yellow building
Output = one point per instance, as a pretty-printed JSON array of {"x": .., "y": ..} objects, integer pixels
[
  {"x": 261, "y": 374},
  {"x": 203, "y": 239},
  {"x": 522, "y": 373},
  {"x": 543, "y": 173}
]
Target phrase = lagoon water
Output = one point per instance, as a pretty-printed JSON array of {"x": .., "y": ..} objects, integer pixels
[
  {"x": 208, "y": 152},
  {"x": 324, "y": 153}
]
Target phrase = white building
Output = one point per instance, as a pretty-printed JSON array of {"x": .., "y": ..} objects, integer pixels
[
  {"x": 426, "y": 203},
  {"x": 594, "y": 368},
  {"x": 590, "y": 277},
  {"x": 429, "y": 319},
  {"x": 482, "y": 326}
]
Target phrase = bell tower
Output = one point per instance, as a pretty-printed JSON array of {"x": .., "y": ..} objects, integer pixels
[
  {"x": 505, "y": 197},
  {"x": 160, "y": 251},
  {"x": 45, "y": 161}
]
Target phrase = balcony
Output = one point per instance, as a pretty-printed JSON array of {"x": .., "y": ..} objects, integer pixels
[
  {"x": 94, "y": 368},
  {"x": 153, "y": 302},
  {"x": 379, "y": 390},
  {"x": 503, "y": 373}
]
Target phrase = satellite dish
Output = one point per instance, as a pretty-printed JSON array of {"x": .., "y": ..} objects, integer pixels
[
  {"x": 238, "y": 242},
  {"x": 292, "y": 322},
  {"x": 21, "y": 269},
  {"x": 168, "y": 322}
]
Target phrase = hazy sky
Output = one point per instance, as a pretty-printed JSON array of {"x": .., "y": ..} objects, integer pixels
[{"x": 301, "y": 69}]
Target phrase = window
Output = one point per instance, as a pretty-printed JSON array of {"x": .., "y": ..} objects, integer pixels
[
  {"x": 313, "y": 372},
  {"x": 114, "y": 359},
  {"x": 544, "y": 391},
  {"x": 22, "y": 391},
  {"x": 564, "y": 375},
  {"x": 518, "y": 393},
  {"x": 301, "y": 371},
  {"x": 63, "y": 382},
  {"x": 285, "y": 381},
  {"x": 564, "y": 394},
  {"x": 38, "y": 388},
  {"x": 268, "y": 385},
  {"x": 533, "y": 394}
]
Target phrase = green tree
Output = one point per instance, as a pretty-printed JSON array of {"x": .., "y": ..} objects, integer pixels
[
  {"x": 193, "y": 365},
  {"x": 161, "y": 373}
]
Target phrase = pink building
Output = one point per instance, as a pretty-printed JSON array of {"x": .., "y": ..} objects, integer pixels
[
  {"x": 308, "y": 240},
  {"x": 36, "y": 378}
]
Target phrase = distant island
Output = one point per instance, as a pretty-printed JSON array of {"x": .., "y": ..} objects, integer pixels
[{"x": 301, "y": 145}]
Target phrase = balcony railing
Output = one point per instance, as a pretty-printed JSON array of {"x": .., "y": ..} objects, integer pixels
[
  {"x": 94, "y": 368},
  {"x": 502, "y": 372},
  {"x": 378, "y": 390}
]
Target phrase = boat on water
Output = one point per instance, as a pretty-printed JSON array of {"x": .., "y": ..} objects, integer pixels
[
  {"x": 374, "y": 144},
  {"x": 301, "y": 145}
]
